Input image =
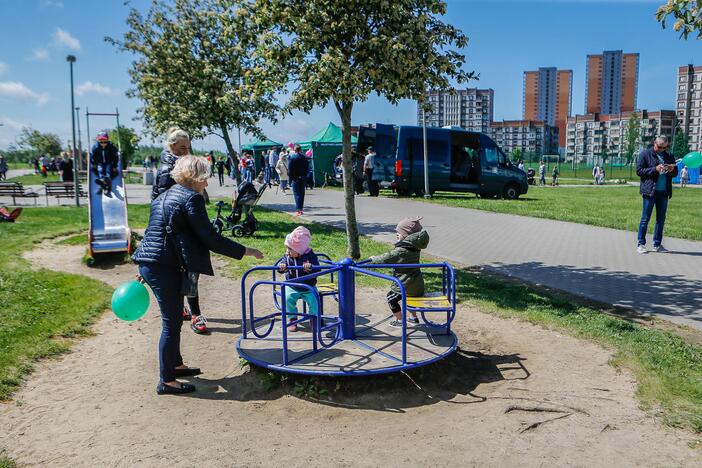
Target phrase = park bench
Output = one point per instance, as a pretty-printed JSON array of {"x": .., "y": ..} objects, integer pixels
[
  {"x": 62, "y": 190},
  {"x": 16, "y": 190}
]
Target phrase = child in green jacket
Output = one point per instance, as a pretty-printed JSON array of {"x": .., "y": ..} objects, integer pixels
[{"x": 411, "y": 239}]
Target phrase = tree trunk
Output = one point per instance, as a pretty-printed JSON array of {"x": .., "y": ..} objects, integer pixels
[
  {"x": 231, "y": 152},
  {"x": 353, "y": 247}
]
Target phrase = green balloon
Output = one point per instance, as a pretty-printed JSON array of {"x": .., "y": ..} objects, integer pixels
[
  {"x": 130, "y": 301},
  {"x": 693, "y": 160}
]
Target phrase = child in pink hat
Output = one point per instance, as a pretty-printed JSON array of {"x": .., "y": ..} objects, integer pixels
[{"x": 299, "y": 254}]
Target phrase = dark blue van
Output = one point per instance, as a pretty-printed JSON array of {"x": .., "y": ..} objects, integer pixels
[{"x": 459, "y": 161}]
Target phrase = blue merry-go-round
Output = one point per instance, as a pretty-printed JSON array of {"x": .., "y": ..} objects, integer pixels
[{"x": 352, "y": 342}]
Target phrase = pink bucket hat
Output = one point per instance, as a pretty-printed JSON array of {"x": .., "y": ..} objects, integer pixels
[{"x": 299, "y": 240}]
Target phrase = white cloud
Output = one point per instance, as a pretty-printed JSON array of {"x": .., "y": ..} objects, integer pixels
[
  {"x": 90, "y": 87},
  {"x": 12, "y": 124},
  {"x": 3, "y": 67},
  {"x": 51, "y": 3},
  {"x": 18, "y": 90},
  {"x": 39, "y": 54},
  {"x": 64, "y": 37}
]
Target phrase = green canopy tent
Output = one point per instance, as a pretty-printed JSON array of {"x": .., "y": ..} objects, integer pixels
[
  {"x": 259, "y": 149},
  {"x": 325, "y": 145}
]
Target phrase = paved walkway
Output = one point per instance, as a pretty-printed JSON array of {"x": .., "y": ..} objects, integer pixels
[{"x": 598, "y": 263}]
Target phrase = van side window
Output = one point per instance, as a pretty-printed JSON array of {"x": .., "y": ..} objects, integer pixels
[
  {"x": 502, "y": 159},
  {"x": 491, "y": 156}
]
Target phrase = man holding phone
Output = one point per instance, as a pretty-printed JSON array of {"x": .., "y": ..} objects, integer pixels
[{"x": 656, "y": 168}]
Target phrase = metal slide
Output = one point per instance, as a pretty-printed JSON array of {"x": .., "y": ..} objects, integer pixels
[{"x": 109, "y": 229}]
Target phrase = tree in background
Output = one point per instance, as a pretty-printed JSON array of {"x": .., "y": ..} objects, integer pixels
[
  {"x": 341, "y": 51},
  {"x": 632, "y": 138},
  {"x": 128, "y": 141},
  {"x": 516, "y": 155},
  {"x": 193, "y": 58},
  {"x": 41, "y": 143},
  {"x": 680, "y": 146},
  {"x": 687, "y": 15}
]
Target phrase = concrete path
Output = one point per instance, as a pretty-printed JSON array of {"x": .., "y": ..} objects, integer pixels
[{"x": 597, "y": 263}]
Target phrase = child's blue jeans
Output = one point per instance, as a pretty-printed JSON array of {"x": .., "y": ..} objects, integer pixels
[{"x": 308, "y": 297}]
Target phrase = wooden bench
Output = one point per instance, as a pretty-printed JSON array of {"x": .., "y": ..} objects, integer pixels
[
  {"x": 62, "y": 190},
  {"x": 16, "y": 190}
]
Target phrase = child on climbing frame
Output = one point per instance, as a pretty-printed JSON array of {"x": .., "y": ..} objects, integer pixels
[
  {"x": 299, "y": 253},
  {"x": 411, "y": 239}
]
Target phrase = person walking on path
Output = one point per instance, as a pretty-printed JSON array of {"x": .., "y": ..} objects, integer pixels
[
  {"x": 656, "y": 169},
  {"x": 357, "y": 168},
  {"x": 554, "y": 175},
  {"x": 368, "y": 166},
  {"x": 66, "y": 167},
  {"x": 298, "y": 166},
  {"x": 684, "y": 177},
  {"x": 177, "y": 242},
  {"x": 220, "y": 170},
  {"x": 281, "y": 167},
  {"x": 272, "y": 162},
  {"x": 596, "y": 174},
  {"x": 542, "y": 173},
  {"x": 3, "y": 168}
]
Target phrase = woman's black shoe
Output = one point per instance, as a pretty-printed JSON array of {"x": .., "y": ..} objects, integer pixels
[
  {"x": 187, "y": 372},
  {"x": 163, "y": 389}
]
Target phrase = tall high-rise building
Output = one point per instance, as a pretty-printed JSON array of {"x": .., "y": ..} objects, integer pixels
[
  {"x": 470, "y": 108},
  {"x": 547, "y": 97},
  {"x": 612, "y": 82},
  {"x": 688, "y": 106}
]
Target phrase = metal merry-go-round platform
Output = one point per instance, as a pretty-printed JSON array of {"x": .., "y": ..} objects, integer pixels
[{"x": 349, "y": 342}]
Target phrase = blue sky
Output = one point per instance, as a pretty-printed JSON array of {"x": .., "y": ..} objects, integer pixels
[{"x": 506, "y": 38}]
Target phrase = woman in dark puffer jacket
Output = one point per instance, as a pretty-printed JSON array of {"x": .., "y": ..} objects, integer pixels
[
  {"x": 179, "y": 239},
  {"x": 178, "y": 144}
]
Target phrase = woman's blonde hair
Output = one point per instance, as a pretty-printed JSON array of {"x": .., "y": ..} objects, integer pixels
[
  {"x": 173, "y": 136},
  {"x": 190, "y": 169}
]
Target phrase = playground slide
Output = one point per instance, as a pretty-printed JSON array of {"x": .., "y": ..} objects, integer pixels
[{"x": 109, "y": 228}]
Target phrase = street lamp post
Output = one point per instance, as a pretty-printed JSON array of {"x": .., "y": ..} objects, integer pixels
[
  {"x": 80, "y": 141},
  {"x": 427, "y": 194},
  {"x": 71, "y": 59}
]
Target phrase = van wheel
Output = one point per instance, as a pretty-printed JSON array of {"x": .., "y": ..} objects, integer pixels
[
  {"x": 402, "y": 192},
  {"x": 511, "y": 192}
]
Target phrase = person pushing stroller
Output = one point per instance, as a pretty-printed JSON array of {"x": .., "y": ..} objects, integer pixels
[{"x": 104, "y": 162}]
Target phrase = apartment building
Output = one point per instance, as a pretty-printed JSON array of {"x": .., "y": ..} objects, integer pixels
[
  {"x": 470, "y": 108},
  {"x": 595, "y": 134},
  {"x": 688, "y": 104},
  {"x": 547, "y": 96},
  {"x": 612, "y": 82},
  {"x": 529, "y": 136}
]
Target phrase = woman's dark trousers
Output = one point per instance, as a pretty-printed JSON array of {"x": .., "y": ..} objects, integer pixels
[{"x": 165, "y": 283}]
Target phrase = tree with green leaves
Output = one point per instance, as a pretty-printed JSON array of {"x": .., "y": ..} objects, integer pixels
[
  {"x": 341, "y": 51},
  {"x": 128, "y": 141},
  {"x": 193, "y": 58},
  {"x": 516, "y": 155},
  {"x": 687, "y": 15},
  {"x": 680, "y": 146},
  {"x": 632, "y": 138},
  {"x": 41, "y": 143}
]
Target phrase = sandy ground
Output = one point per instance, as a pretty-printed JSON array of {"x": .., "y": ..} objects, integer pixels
[{"x": 97, "y": 406}]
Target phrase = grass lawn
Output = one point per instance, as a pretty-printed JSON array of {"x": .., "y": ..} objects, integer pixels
[
  {"x": 617, "y": 207},
  {"x": 45, "y": 308},
  {"x": 36, "y": 179}
]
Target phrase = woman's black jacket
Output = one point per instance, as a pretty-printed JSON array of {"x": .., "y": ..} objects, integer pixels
[
  {"x": 163, "y": 180},
  {"x": 192, "y": 234}
]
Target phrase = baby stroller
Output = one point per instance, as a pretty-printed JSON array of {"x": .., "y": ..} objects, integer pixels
[
  {"x": 247, "y": 197},
  {"x": 531, "y": 176}
]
